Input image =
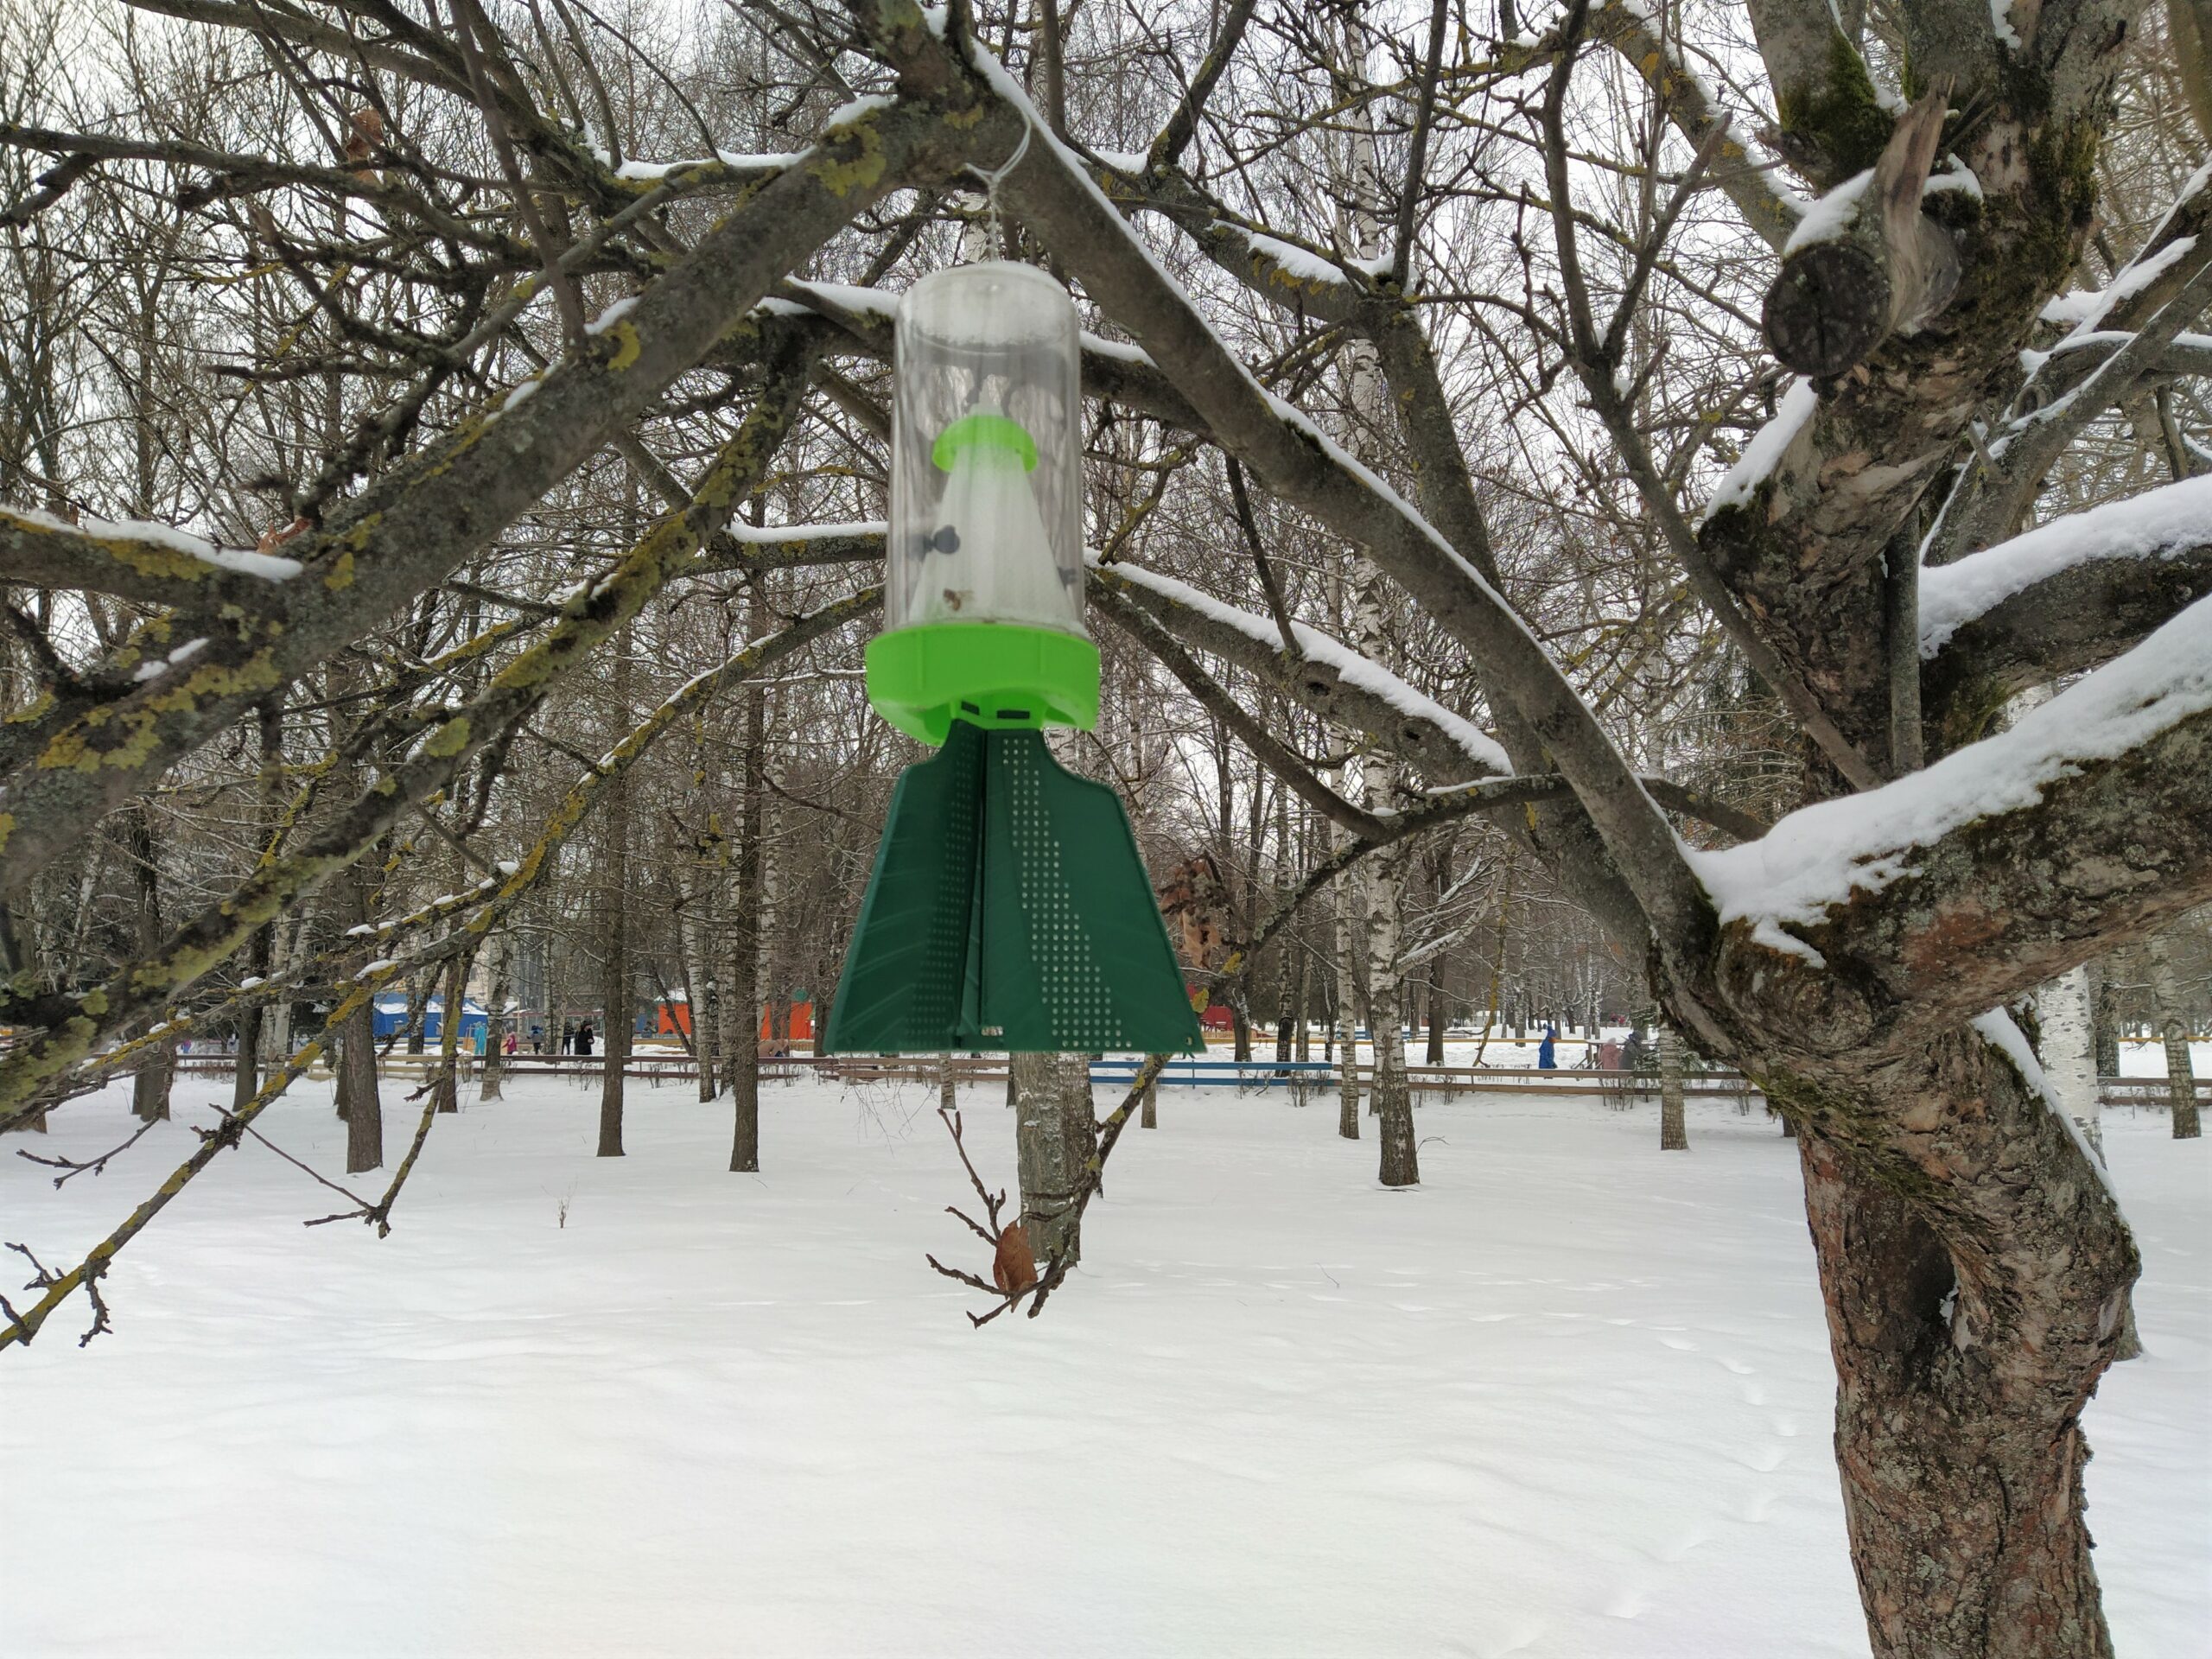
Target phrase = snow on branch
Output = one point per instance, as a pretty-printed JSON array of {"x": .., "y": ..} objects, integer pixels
[
  {"x": 1350, "y": 666},
  {"x": 145, "y": 545},
  {"x": 1819, "y": 857},
  {"x": 1763, "y": 455},
  {"x": 2158, "y": 525}
]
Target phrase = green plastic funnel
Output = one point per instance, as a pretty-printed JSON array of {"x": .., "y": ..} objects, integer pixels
[{"x": 1008, "y": 910}]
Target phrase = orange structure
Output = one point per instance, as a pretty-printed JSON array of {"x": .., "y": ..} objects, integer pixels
[
  {"x": 802, "y": 1022},
  {"x": 673, "y": 1018}
]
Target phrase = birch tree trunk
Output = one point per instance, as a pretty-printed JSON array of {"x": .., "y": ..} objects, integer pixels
[
  {"x": 2173, "y": 1030},
  {"x": 269, "y": 792},
  {"x": 1349, "y": 931},
  {"x": 491, "y": 1074},
  {"x": 1056, "y": 1130},
  {"x": 2069, "y": 1051},
  {"x": 1380, "y": 876},
  {"x": 556, "y": 960},
  {"x": 287, "y": 939},
  {"x": 1392, "y": 1097}
]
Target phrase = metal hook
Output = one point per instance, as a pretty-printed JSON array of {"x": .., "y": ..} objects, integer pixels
[{"x": 991, "y": 233}]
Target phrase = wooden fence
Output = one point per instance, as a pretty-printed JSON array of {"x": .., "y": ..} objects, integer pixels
[{"x": 1297, "y": 1076}]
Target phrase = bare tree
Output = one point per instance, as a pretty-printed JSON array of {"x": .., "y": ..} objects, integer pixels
[{"x": 1581, "y": 278}]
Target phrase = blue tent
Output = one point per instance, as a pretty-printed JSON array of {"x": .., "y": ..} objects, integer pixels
[{"x": 390, "y": 1013}]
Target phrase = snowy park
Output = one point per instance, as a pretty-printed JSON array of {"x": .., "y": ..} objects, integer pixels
[
  {"x": 1567, "y": 1398},
  {"x": 1326, "y": 828}
]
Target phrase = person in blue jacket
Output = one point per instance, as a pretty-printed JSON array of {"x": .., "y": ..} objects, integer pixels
[{"x": 1547, "y": 1055}]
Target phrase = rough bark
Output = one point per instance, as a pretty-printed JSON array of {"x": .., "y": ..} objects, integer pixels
[
  {"x": 615, "y": 930},
  {"x": 2103, "y": 1008},
  {"x": 149, "y": 1084},
  {"x": 2173, "y": 1031},
  {"x": 269, "y": 792},
  {"x": 490, "y": 1074},
  {"x": 1962, "y": 1373},
  {"x": 357, "y": 1043},
  {"x": 1887, "y": 270},
  {"x": 1056, "y": 1132},
  {"x": 1351, "y": 897},
  {"x": 743, "y": 1058},
  {"x": 1674, "y": 1133},
  {"x": 1939, "y": 1170}
]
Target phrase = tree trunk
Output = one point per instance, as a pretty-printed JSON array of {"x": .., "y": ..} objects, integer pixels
[
  {"x": 2102, "y": 1008},
  {"x": 1300, "y": 978},
  {"x": 447, "y": 1086},
  {"x": 556, "y": 960},
  {"x": 2068, "y": 1050},
  {"x": 743, "y": 1058},
  {"x": 269, "y": 792},
  {"x": 2173, "y": 1028},
  {"x": 1962, "y": 1374},
  {"x": 489, "y": 1076},
  {"x": 614, "y": 926},
  {"x": 357, "y": 1038},
  {"x": 614, "y": 992},
  {"x": 1148, "y": 1116},
  {"x": 1056, "y": 1130},
  {"x": 286, "y": 940},
  {"x": 1433, "y": 1055},
  {"x": 1674, "y": 1133},
  {"x": 706, "y": 1012},
  {"x": 149, "y": 1085},
  {"x": 1392, "y": 1096},
  {"x": 1348, "y": 946},
  {"x": 357, "y": 1056},
  {"x": 2067, "y": 1014}
]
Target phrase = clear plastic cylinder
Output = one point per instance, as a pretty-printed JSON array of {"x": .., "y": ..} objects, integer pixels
[{"x": 986, "y": 465}]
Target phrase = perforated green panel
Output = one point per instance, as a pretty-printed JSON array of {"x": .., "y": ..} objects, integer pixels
[{"x": 1008, "y": 910}]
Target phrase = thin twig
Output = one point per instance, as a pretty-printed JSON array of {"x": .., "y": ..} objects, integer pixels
[
  {"x": 98, "y": 1166},
  {"x": 248, "y": 1128}
]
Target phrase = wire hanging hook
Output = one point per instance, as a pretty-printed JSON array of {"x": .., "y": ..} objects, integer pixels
[{"x": 992, "y": 239}]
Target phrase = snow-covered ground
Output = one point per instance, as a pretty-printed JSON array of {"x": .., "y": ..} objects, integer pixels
[{"x": 1569, "y": 1398}]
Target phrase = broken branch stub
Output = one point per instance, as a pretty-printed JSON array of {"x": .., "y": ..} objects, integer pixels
[{"x": 1881, "y": 268}]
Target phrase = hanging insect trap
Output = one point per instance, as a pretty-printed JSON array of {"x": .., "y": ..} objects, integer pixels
[{"x": 1008, "y": 909}]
